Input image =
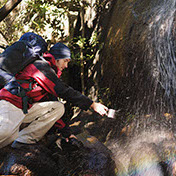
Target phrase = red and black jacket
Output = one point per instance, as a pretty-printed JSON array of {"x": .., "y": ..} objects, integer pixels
[{"x": 45, "y": 82}]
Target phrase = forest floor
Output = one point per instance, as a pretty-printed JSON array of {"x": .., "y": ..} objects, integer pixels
[
  {"x": 90, "y": 156},
  {"x": 94, "y": 155}
]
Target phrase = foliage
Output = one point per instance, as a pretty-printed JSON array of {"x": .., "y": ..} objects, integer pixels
[
  {"x": 89, "y": 47},
  {"x": 43, "y": 16},
  {"x": 2, "y": 3},
  {"x": 39, "y": 16}
]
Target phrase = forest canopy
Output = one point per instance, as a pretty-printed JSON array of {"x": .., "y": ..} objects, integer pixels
[{"x": 56, "y": 20}]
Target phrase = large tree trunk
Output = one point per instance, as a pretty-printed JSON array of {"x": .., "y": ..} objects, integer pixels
[
  {"x": 8, "y": 7},
  {"x": 136, "y": 62}
]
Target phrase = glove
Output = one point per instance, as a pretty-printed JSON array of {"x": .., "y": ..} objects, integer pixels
[
  {"x": 65, "y": 132},
  {"x": 76, "y": 142},
  {"x": 71, "y": 146}
]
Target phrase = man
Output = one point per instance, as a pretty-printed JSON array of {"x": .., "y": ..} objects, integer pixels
[{"x": 43, "y": 107}]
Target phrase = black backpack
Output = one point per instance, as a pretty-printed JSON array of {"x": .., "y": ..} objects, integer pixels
[{"x": 17, "y": 56}]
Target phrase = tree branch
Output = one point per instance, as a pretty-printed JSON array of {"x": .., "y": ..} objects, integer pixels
[
  {"x": 3, "y": 47},
  {"x": 8, "y": 7}
]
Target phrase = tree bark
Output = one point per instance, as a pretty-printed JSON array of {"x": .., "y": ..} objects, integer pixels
[{"x": 7, "y": 8}]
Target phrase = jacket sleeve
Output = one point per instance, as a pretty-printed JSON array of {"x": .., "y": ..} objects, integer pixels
[{"x": 52, "y": 84}]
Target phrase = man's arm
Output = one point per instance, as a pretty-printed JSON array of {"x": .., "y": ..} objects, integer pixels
[
  {"x": 47, "y": 78},
  {"x": 52, "y": 84}
]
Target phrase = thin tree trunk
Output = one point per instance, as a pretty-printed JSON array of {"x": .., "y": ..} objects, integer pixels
[
  {"x": 82, "y": 55},
  {"x": 7, "y": 8}
]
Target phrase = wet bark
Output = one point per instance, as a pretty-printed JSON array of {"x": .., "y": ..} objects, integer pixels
[{"x": 129, "y": 60}]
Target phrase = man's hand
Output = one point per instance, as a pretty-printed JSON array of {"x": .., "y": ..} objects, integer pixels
[{"x": 99, "y": 108}]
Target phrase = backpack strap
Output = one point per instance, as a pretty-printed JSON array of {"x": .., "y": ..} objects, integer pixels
[{"x": 23, "y": 94}]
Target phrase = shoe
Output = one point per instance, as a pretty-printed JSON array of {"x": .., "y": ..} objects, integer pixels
[{"x": 20, "y": 145}]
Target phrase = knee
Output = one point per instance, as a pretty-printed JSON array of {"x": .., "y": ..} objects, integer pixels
[{"x": 61, "y": 109}]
